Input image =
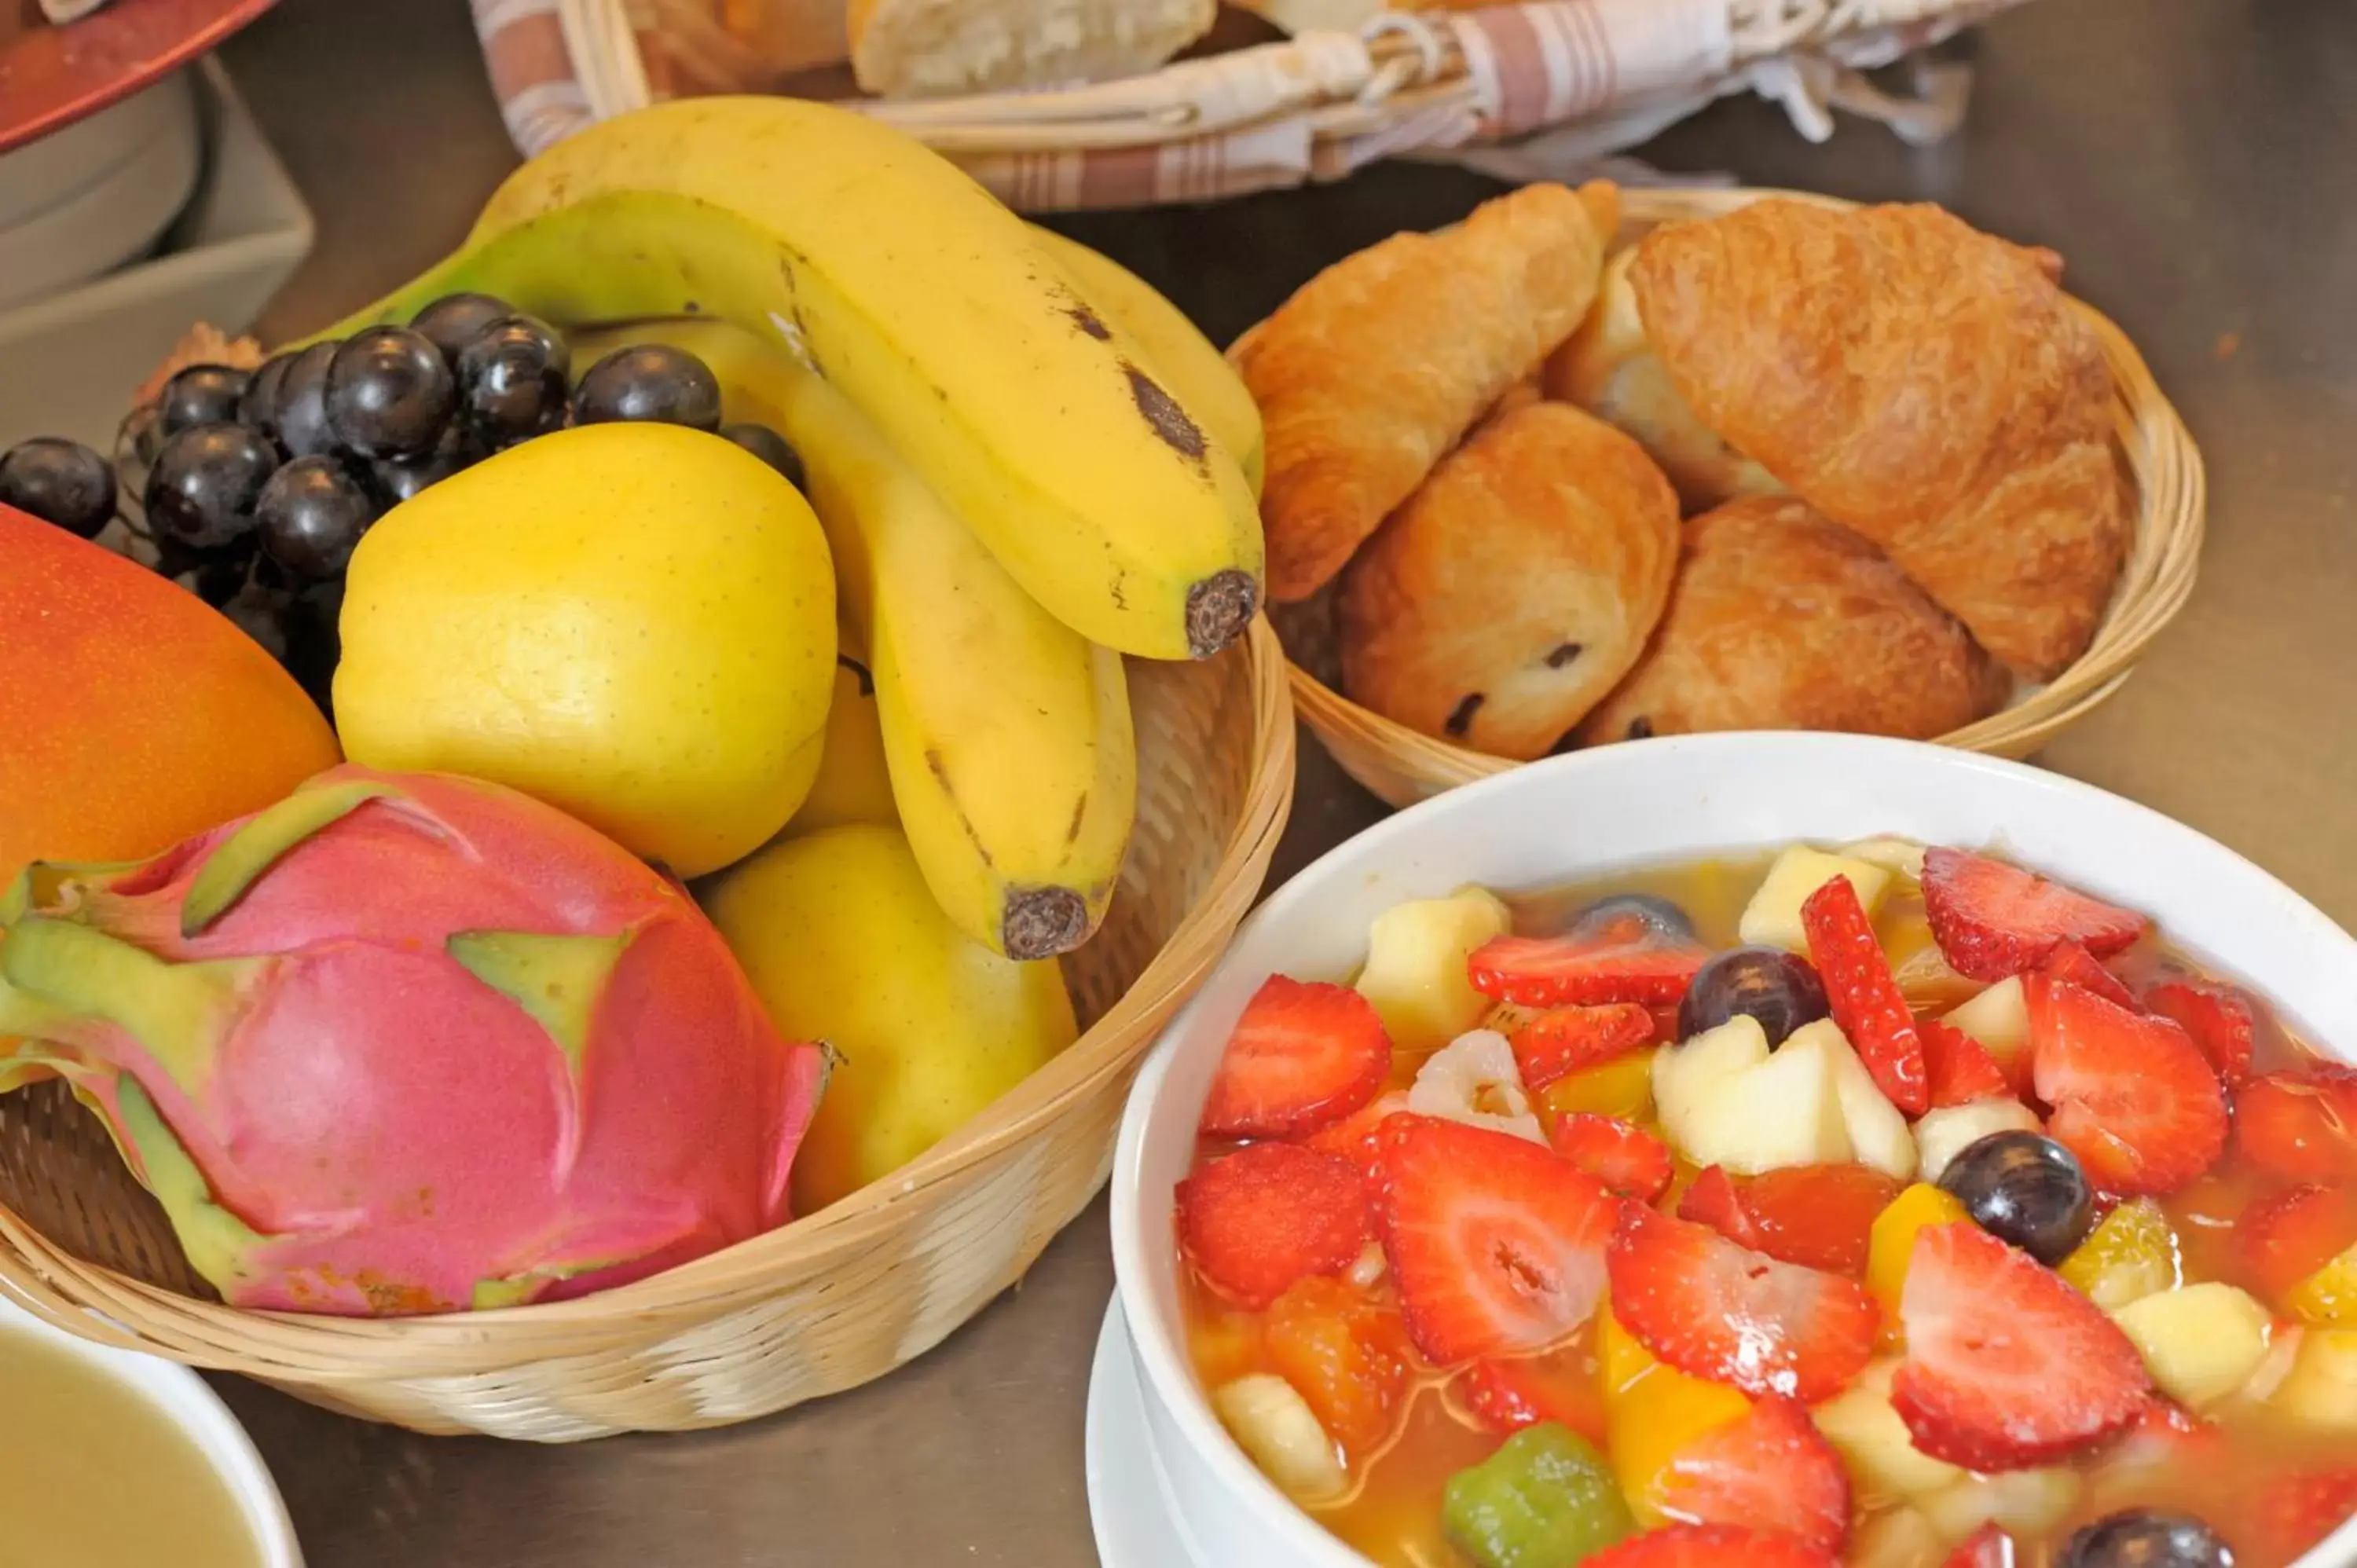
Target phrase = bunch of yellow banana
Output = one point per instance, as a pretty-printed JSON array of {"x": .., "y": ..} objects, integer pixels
[{"x": 1026, "y": 462}]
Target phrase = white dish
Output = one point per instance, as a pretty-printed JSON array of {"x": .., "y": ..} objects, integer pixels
[
  {"x": 1129, "y": 1500},
  {"x": 115, "y": 218},
  {"x": 1623, "y": 806},
  {"x": 44, "y": 173},
  {"x": 189, "y": 1404}
]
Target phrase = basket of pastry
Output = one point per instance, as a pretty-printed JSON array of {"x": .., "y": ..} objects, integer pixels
[
  {"x": 1060, "y": 105},
  {"x": 1594, "y": 466}
]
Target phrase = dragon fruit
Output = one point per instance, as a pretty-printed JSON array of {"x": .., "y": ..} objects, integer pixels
[{"x": 409, "y": 1043}]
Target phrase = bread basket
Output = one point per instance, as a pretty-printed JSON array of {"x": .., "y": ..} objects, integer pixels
[
  {"x": 1402, "y": 766},
  {"x": 1564, "y": 81},
  {"x": 830, "y": 1301}
]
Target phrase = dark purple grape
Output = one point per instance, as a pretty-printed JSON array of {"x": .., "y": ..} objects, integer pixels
[
  {"x": 311, "y": 516},
  {"x": 202, "y": 490},
  {"x": 258, "y": 409},
  {"x": 390, "y": 393},
  {"x": 652, "y": 383},
  {"x": 201, "y": 394},
  {"x": 451, "y": 322},
  {"x": 303, "y": 402},
  {"x": 2025, "y": 1189},
  {"x": 770, "y": 447},
  {"x": 2138, "y": 1537},
  {"x": 396, "y": 480},
  {"x": 215, "y": 576},
  {"x": 1780, "y": 989},
  {"x": 58, "y": 481},
  {"x": 1650, "y": 910},
  {"x": 313, "y": 645},
  {"x": 511, "y": 380}
]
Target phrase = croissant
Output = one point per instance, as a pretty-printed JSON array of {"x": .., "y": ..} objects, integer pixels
[
  {"x": 1923, "y": 384},
  {"x": 1379, "y": 364}
]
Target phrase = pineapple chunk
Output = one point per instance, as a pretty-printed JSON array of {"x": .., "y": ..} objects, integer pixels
[
  {"x": 2200, "y": 1342},
  {"x": 2131, "y": 1255},
  {"x": 1891, "y": 1244},
  {"x": 1888, "y": 850},
  {"x": 1999, "y": 1019},
  {"x": 1772, "y": 918},
  {"x": 1877, "y": 1131},
  {"x": 1273, "y": 1426},
  {"x": 1473, "y": 1080},
  {"x": 2021, "y": 1502},
  {"x": 1414, "y": 973},
  {"x": 2320, "y": 1391},
  {"x": 2327, "y": 1296},
  {"x": 1882, "y": 1457},
  {"x": 1785, "y": 1111},
  {"x": 1942, "y": 1134},
  {"x": 1682, "y": 1074}
]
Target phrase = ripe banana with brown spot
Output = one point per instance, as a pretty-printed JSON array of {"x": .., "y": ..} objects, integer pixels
[
  {"x": 927, "y": 304},
  {"x": 1006, "y": 734}
]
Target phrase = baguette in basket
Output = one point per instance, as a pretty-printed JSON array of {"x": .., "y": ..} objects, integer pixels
[{"x": 1940, "y": 410}]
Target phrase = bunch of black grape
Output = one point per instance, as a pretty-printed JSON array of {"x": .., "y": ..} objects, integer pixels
[{"x": 261, "y": 484}]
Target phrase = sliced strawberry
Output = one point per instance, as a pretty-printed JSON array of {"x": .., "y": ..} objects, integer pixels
[
  {"x": 1714, "y": 1199},
  {"x": 1623, "y": 1156},
  {"x": 1712, "y": 1546},
  {"x": 1508, "y": 1395},
  {"x": 1987, "y": 1547},
  {"x": 2221, "y": 1021},
  {"x": 1771, "y": 1469},
  {"x": 1717, "y": 1310},
  {"x": 1304, "y": 1055},
  {"x": 1347, "y": 1357},
  {"x": 1549, "y": 972},
  {"x": 1864, "y": 995},
  {"x": 2300, "y": 1124},
  {"x": 1258, "y": 1219},
  {"x": 1992, "y": 919},
  {"x": 2132, "y": 1097},
  {"x": 1562, "y": 1040},
  {"x": 1959, "y": 1067},
  {"x": 1357, "y": 1136},
  {"x": 1496, "y": 1245},
  {"x": 1820, "y": 1216},
  {"x": 2071, "y": 962},
  {"x": 2299, "y": 1512},
  {"x": 2285, "y": 1238},
  {"x": 2006, "y": 1366}
]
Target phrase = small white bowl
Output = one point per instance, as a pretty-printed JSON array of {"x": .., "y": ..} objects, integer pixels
[
  {"x": 1617, "y": 807},
  {"x": 186, "y": 1400},
  {"x": 116, "y": 216}
]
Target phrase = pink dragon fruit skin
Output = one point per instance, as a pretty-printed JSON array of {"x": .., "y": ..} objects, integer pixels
[{"x": 410, "y": 1043}]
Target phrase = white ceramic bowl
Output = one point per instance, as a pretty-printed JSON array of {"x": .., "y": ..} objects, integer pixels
[
  {"x": 1621, "y": 806},
  {"x": 46, "y": 171},
  {"x": 116, "y": 216},
  {"x": 186, "y": 1400}
]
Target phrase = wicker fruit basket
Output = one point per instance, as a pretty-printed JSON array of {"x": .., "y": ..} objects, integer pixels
[
  {"x": 1402, "y": 766},
  {"x": 828, "y": 1301},
  {"x": 1560, "y": 82}
]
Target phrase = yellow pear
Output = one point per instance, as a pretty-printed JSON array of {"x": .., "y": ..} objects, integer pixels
[
  {"x": 633, "y": 622},
  {"x": 844, "y": 943}
]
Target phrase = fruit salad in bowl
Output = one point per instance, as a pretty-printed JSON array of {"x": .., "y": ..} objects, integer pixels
[{"x": 1769, "y": 1150}]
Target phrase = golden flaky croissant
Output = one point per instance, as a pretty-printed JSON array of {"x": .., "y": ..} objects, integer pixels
[
  {"x": 1915, "y": 379},
  {"x": 1379, "y": 364},
  {"x": 1516, "y": 586},
  {"x": 1782, "y": 620}
]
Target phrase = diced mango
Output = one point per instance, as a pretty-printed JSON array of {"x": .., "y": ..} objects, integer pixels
[
  {"x": 2320, "y": 1391},
  {"x": 2200, "y": 1342},
  {"x": 2132, "y": 1254},
  {"x": 1884, "y": 1463},
  {"x": 1654, "y": 1413},
  {"x": 1772, "y": 918},
  {"x": 2327, "y": 1296},
  {"x": 1892, "y": 1243},
  {"x": 1225, "y": 1343},
  {"x": 1623, "y": 1086},
  {"x": 1415, "y": 968}
]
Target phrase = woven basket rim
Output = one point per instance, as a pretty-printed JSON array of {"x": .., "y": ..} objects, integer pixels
[
  {"x": 2155, "y": 582},
  {"x": 320, "y": 1348}
]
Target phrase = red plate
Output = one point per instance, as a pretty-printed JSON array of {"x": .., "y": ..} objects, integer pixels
[{"x": 51, "y": 77}]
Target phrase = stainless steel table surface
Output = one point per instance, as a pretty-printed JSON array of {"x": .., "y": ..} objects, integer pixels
[{"x": 2193, "y": 160}]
